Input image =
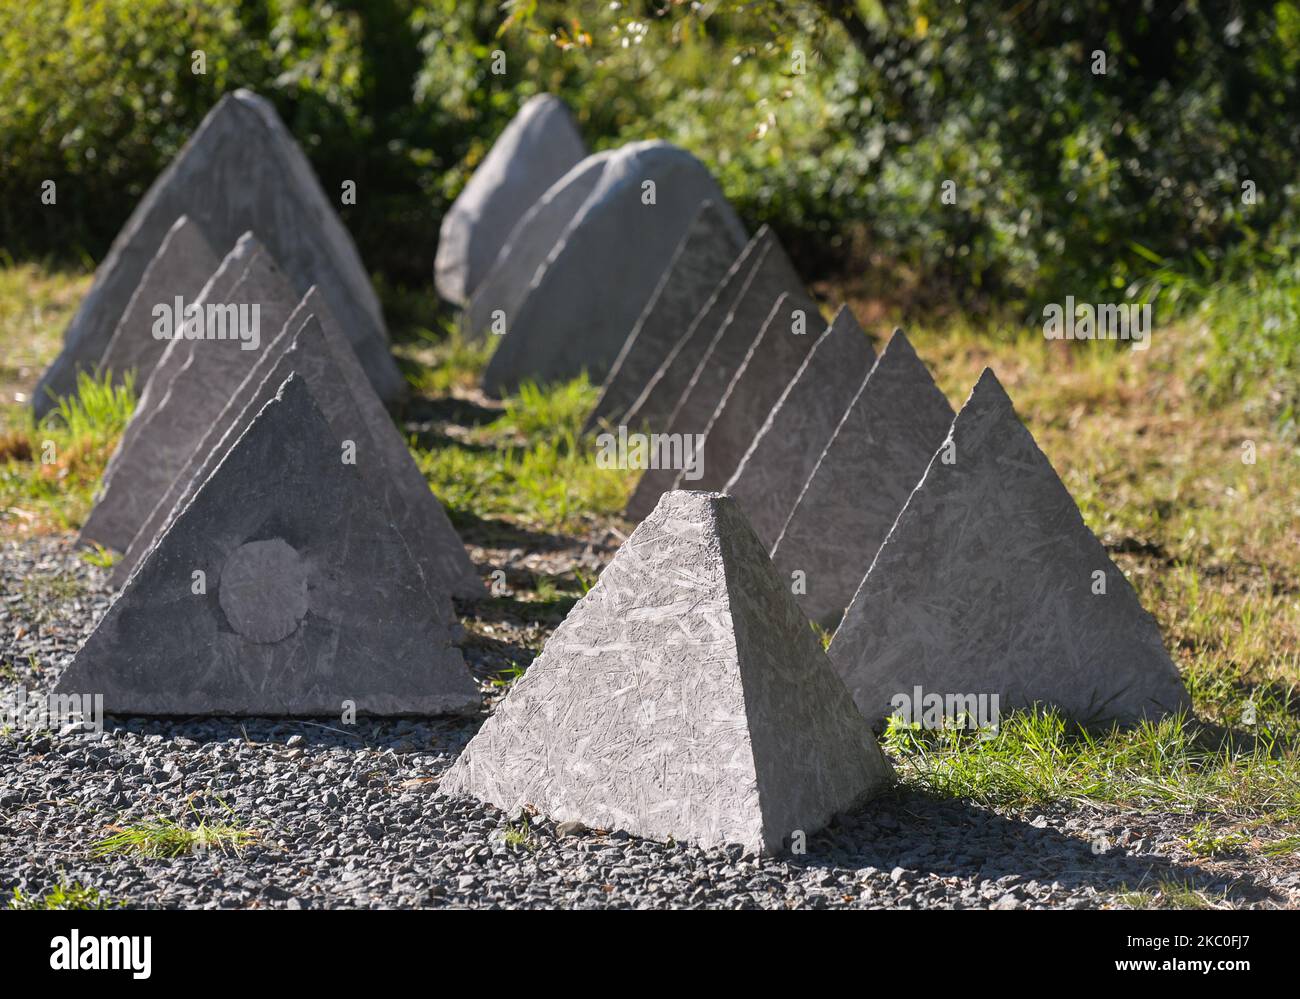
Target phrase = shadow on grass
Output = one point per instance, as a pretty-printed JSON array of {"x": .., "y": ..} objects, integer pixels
[{"x": 929, "y": 836}]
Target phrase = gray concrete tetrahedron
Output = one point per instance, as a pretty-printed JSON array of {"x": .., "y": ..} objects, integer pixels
[
  {"x": 192, "y": 382},
  {"x": 770, "y": 277},
  {"x": 683, "y": 697},
  {"x": 496, "y": 299},
  {"x": 585, "y": 300},
  {"x": 784, "y": 344},
  {"x": 991, "y": 583},
  {"x": 659, "y": 396},
  {"x": 241, "y": 170},
  {"x": 312, "y": 346},
  {"x": 876, "y": 456},
  {"x": 700, "y": 263},
  {"x": 538, "y": 147},
  {"x": 784, "y": 451},
  {"x": 282, "y": 589},
  {"x": 179, "y": 270}
]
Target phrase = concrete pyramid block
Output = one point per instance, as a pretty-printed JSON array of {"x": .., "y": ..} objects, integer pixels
[
  {"x": 793, "y": 328},
  {"x": 684, "y": 697},
  {"x": 283, "y": 588},
  {"x": 182, "y": 266},
  {"x": 241, "y": 170},
  {"x": 877, "y": 454},
  {"x": 700, "y": 263},
  {"x": 188, "y": 389},
  {"x": 990, "y": 582},
  {"x": 312, "y": 346},
  {"x": 771, "y": 277},
  {"x": 660, "y": 395},
  {"x": 784, "y": 451},
  {"x": 528, "y": 246},
  {"x": 581, "y": 306},
  {"x": 539, "y": 146}
]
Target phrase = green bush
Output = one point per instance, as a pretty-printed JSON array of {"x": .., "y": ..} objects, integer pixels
[{"x": 1066, "y": 181}]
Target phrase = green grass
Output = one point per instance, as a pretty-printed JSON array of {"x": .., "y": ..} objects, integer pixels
[
  {"x": 50, "y": 470},
  {"x": 63, "y": 896},
  {"x": 1037, "y": 758},
  {"x": 164, "y": 837},
  {"x": 530, "y": 465},
  {"x": 1172, "y": 895}
]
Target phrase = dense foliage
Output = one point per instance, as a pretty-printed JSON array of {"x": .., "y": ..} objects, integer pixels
[{"x": 838, "y": 122}]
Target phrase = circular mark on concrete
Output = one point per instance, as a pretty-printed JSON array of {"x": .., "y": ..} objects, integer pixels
[{"x": 264, "y": 590}]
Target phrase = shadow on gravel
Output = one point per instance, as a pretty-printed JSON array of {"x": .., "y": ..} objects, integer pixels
[
  {"x": 491, "y": 533},
  {"x": 928, "y": 837},
  {"x": 447, "y": 409},
  {"x": 397, "y": 734}
]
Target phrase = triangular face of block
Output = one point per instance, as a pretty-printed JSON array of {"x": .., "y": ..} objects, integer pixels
[
  {"x": 179, "y": 270},
  {"x": 684, "y": 697},
  {"x": 312, "y": 347},
  {"x": 877, "y": 454},
  {"x": 579, "y": 310},
  {"x": 699, "y": 265},
  {"x": 240, "y": 170},
  {"x": 538, "y": 147},
  {"x": 660, "y": 395},
  {"x": 783, "y": 346},
  {"x": 771, "y": 277},
  {"x": 169, "y": 423},
  {"x": 991, "y": 583},
  {"x": 526, "y": 249},
  {"x": 282, "y": 589},
  {"x": 796, "y": 430}
]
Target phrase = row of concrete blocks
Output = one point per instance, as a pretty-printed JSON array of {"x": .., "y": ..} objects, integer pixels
[
  {"x": 945, "y": 547},
  {"x": 285, "y": 557}
]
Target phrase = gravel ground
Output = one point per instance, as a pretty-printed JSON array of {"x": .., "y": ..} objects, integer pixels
[{"x": 352, "y": 817}]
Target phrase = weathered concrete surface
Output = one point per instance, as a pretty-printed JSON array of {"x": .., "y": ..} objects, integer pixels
[
  {"x": 312, "y": 346},
  {"x": 771, "y": 277},
  {"x": 174, "y": 415},
  {"x": 987, "y": 583},
  {"x": 539, "y": 146},
  {"x": 877, "y": 454},
  {"x": 684, "y": 696},
  {"x": 581, "y": 306},
  {"x": 700, "y": 263},
  {"x": 784, "y": 452},
  {"x": 309, "y": 597},
  {"x": 181, "y": 267},
  {"x": 785, "y": 342},
  {"x": 217, "y": 290},
  {"x": 529, "y": 245},
  {"x": 660, "y": 395},
  {"x": 241, "y": 170}
]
